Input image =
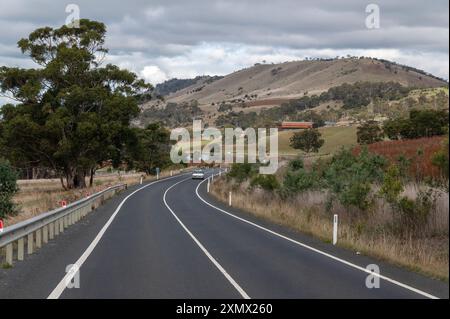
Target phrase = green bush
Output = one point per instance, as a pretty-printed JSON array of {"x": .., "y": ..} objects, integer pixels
[
  {"x": 300, "y": 180},
  {"x": 296, "y": 164},
  {"x": 8, "y": 187},
  {"x": 414, "y": 213},
  {"x": 392, "y": 185},
  {"x": 349, "y": 177},
  {"x": 242, "y": 171},
  {"x": 369, "y": 133},
  {"x": 266, "y": 182}
]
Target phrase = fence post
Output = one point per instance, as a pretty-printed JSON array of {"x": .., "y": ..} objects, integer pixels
[{"x": 335, "y": 228}]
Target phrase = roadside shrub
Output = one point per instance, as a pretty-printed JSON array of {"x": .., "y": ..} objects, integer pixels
[
  {"x": 8, "y": 187},
  {"x": 300, "y": 180},
  {"x": 350, "y": 177},
  {"x": 347, "y": 176},
  {"x": 242, "y": 171},
  {"x": 296, "y": 164},
  {"x": 266, "y": 182},
  {"x": 414, "y": 214},
  {"x": 392, "y": 185}
]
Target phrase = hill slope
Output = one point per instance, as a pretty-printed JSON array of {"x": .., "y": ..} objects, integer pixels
[
  {"x": 264, "y": 86},
  {"x": 294, "y": 79}
]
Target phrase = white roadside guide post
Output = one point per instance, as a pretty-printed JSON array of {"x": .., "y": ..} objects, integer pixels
[
  {"x": 229, "y": 199},
  {"x": 171, "y": 173},
  {"x": 141, "y": 180},
  {"x": 335, "y": 228},
  {"x": 207, "y": 186}
]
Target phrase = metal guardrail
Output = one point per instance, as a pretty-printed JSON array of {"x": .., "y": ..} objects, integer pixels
[{"x": 38, "y": 230}]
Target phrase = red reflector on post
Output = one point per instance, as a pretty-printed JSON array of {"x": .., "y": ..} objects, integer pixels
[{"x": 1, "y": 226}]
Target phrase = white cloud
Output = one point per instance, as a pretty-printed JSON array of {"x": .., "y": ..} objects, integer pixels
[{"x": 153, "y": 74}]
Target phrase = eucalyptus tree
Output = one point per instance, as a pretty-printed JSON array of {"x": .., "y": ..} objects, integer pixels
[{"x": 73, "y": 111}]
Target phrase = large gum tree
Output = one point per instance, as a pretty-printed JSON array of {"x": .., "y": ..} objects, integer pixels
[{"x": 72, "y": 112}]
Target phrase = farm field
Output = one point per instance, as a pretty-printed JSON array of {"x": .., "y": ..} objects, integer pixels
[
  {"x": 335, "y": 138},
  {"x": 42, "y": 195}
]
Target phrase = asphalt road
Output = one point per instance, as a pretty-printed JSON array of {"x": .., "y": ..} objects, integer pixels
[{"x": 171, "y": 240}]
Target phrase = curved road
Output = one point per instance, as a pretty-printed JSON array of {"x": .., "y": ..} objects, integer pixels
[{"x": 169, "y": 239}]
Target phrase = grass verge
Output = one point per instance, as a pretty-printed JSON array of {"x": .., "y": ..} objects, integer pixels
[{"x": 427, "y": 255}]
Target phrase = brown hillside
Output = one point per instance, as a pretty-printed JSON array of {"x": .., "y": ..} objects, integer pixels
[{"x": 267, "y": 82}]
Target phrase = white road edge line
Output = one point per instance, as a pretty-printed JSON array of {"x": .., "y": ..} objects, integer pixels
[
  {"x": 59, "y": 289},
  {"x": 395, "y": 282},
  {"x": 211, "y": 258}
]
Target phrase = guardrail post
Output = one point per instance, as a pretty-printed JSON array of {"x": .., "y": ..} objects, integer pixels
[
  {"x": 51, "y": 232},
  {"x": 9, "y": 254},
  {"x": 20, "y": 249},
  {"x": 56, "y": 225},
  {"x": 38, "y": 238},
  {"x": 45, "y": 234},
  {"x": 61, "y": 225},
  {"x": 30, "y": 243}
]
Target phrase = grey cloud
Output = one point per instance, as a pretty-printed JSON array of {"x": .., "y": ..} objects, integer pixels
[{"x": 169, "y": 29}]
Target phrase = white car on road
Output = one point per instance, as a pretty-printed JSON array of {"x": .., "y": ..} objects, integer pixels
[{"x": 198, "y": 174}]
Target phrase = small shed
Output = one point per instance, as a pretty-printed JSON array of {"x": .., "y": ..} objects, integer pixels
[{"x": 296, "y": 125}]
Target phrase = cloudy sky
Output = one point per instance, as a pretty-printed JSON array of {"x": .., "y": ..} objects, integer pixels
[{"x": 184, "y": 38}]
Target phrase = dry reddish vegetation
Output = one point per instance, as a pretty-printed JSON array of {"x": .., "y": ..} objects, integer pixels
[{"x": 418, "y": 151}]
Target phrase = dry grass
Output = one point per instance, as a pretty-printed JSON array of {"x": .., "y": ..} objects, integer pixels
[
  {"x": 42, "y": 195},
  {"x": 371, "y": 234}
]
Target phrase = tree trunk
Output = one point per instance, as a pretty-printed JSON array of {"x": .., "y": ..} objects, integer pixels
[
  {"x": 79, "y": 180},
  {"x": 62, "y": 182},
  {"x": 91, "y": 179},
  {"x": 76, "y": 178}
]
